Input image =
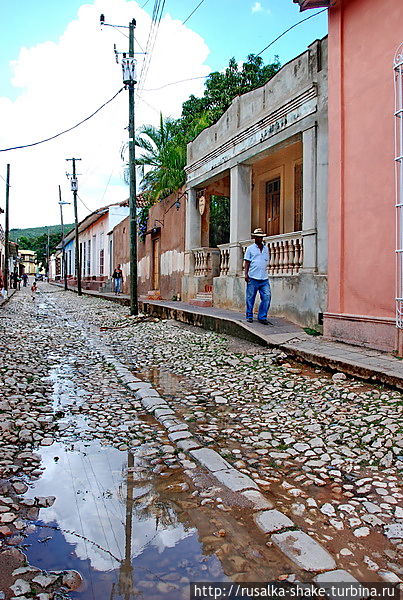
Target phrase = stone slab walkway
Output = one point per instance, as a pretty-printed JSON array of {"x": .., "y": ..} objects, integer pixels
[{"x": 291, "y": 339}]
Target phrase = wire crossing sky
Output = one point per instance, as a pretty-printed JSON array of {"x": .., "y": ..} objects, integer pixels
[{"x": 57, "y": 66}]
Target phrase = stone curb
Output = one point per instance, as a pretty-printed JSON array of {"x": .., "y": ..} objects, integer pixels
[
  {"x": 10, "y": 294},
  {"x": 224, "y": 325},
  {"x": 295, "y": 544}
]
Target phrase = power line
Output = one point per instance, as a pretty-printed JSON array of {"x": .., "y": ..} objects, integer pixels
[
  {"x": 174, "y": 83},
  {"x": 5, "y": 181},
  {"x": 289, "y": 29},
  {"x": 152, "y": 38},
  {"x": 66, "y": 130},
  {"x": 193, "y": 12},
  {"x": 83, "y": 203},
  {"x": 264, "y": 49}
]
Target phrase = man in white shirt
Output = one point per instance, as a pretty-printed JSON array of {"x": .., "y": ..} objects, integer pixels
[{"x": 256, "y": 276}]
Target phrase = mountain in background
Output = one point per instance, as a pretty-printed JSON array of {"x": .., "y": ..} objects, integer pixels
[{"x": 34, "y": 232}]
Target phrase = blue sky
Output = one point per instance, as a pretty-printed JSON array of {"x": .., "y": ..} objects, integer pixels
[
  {"x": 229, "y": 27},
  {"x": 57, "y": 66}
]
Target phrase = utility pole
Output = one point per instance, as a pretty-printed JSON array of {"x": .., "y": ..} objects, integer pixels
[
  {"x": 7, "y": 229},
  {"x": 129, "y": 79},
  {"x": 134, "y": 308},
  {"x": 74, "y": 189},
  {"x": 47, "y": 254},
  {"x": 64, "y": 265}
]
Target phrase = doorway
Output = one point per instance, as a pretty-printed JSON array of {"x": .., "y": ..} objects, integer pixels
[
  {"x": 156, "y": 264},
  {"x": 273, "y": 189}
]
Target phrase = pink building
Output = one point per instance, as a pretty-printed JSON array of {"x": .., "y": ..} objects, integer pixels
[{"x": 364, "y": 283}]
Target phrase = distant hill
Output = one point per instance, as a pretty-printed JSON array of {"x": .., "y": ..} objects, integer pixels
[{"x": 34, "y": 232}]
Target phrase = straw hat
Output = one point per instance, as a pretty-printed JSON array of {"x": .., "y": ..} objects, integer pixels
[{"x": 258, "y": 233}]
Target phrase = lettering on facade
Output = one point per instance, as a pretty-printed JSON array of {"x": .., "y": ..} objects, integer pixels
[{"x": 262, "y": 130}]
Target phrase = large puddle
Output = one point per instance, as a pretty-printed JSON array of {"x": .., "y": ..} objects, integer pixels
[
  {"x": 111, "y": 523},
  {"x": 135, "y": 523}
]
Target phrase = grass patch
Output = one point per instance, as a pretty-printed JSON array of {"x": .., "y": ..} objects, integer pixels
[{"x": 311, "y": 331}]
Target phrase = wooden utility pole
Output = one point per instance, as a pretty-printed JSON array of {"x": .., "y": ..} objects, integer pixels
[
  {"x": 129, "y": 80},
  {"x": 7, "y": 230},
  {"x": 74, "y": 189},
  {"x": 134, "y": 308}
]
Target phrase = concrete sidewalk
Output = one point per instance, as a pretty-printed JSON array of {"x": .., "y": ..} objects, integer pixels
[{"x": 288, "y": 337}]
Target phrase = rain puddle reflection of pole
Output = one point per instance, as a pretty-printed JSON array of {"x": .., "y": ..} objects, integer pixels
[{"x": 126, "y": 586}]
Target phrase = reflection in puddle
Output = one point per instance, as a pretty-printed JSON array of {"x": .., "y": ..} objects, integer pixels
[{"x": 113, "y": 526}]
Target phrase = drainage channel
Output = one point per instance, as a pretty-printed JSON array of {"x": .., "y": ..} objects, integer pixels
[{"x": 125, "y": 509}]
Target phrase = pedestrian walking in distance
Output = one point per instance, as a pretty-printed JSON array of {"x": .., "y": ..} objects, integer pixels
[
  {"x": 33, "y": 290},
  {"x": 25, "y": 279},
  {"x": 256, "y": 277},
  {"x": 117, "y": 280}
]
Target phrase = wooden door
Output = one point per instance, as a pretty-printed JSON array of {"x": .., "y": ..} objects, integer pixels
[
  {"x": 298, "y": 197},
  {"x": 273, "y": 206},
  {"x": 156, "y": 264}
]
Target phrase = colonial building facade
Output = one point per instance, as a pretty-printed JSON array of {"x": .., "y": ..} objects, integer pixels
[
  {"x": 366, "y": 172},
  {"x": 266, "y": 159}
]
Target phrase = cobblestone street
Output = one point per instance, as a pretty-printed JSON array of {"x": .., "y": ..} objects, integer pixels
[{"x": 139, "y": 455}]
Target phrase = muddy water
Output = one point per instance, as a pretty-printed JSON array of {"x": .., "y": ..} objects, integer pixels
[
  {"x": 114, "y": 527},
  {"x": 129, "y": 531}
]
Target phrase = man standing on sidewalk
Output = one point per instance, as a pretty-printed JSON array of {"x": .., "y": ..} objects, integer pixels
[{"x": 256, "y": 277}]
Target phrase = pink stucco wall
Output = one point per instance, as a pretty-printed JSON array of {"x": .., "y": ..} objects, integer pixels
[{"x": 363, "y": 38}]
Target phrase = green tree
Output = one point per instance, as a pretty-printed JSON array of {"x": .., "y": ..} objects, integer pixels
[
  {"x": 163, "y": 148},
  {"x": 163, "y": 152}
]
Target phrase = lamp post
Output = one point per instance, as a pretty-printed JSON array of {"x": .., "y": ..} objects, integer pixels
[{"x": 64, "y": 265}]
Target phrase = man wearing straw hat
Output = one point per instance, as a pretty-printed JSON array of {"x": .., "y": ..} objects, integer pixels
[{"x": 256, "y": 277}]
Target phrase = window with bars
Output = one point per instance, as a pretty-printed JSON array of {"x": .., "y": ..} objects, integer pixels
[{"x": 101, "y": 262}]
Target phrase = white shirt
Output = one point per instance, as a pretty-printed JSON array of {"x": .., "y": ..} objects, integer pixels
[{"x": 259, "y": 259}]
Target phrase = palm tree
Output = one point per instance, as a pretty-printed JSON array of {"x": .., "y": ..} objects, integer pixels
[{"x": 163, "y": 151}]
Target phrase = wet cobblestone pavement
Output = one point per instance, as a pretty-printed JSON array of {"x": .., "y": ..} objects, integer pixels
[{"x": 91, "y": 483}]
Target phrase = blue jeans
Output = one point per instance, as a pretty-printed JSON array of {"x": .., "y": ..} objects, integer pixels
[
  {"x": 118, "y": 285},
  {"x": 252, "y": 288}
]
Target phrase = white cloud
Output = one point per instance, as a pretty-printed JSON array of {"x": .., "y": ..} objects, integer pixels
[
  {"x": 63, "y": 82},
  {"x": 257, "y": 7}
]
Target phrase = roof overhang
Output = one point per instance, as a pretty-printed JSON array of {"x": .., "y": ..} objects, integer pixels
[{"x": 305, "y": 4}]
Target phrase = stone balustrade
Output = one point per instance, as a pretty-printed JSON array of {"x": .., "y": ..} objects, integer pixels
[
  {"x": 224, "y": 258},
  {"x": 206, "y": 262},
  {"x": 286, "y": 254}
]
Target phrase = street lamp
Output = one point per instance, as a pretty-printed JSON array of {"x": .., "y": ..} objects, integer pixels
[{"x": 64, "y": 269}]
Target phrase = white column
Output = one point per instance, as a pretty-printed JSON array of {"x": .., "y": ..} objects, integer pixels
[
  {"x": 309, "y": 141},
  {"x": 240, "y": 213},
  {"x": 192, "y": 229}
]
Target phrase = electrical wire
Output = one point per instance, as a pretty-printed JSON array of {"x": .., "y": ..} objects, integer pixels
[
  {"x": 84, "y": 204},
  {"x": 261, "y": 52},
  {"x": 193, "y": 12},
  {"x": 152, "y": 38},
  {"x": 5, "y": 181},
  {"x": 174, "y": 83},
  {"x": 289, "y": 29},
  {"x": 66, "y": 130}
]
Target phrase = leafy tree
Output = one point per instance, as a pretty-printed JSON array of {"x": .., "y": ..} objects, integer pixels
[
  {"x": 164, "y": 153},
  {"x": 219, "y": 220},
  {"x": 163, "y": 148}
]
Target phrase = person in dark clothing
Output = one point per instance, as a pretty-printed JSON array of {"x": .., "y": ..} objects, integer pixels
[{"x": 117, "y": 280}]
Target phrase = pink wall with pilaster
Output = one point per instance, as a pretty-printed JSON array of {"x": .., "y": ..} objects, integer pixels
[{"x": 363, "y": 38}]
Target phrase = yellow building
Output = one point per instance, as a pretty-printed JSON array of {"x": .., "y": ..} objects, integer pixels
[{"x": 28, "y": 261}]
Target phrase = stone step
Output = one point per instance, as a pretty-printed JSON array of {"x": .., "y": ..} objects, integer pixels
[
  {"x": 154, "y": 295},
  {"x": 202, "y": 299}
]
